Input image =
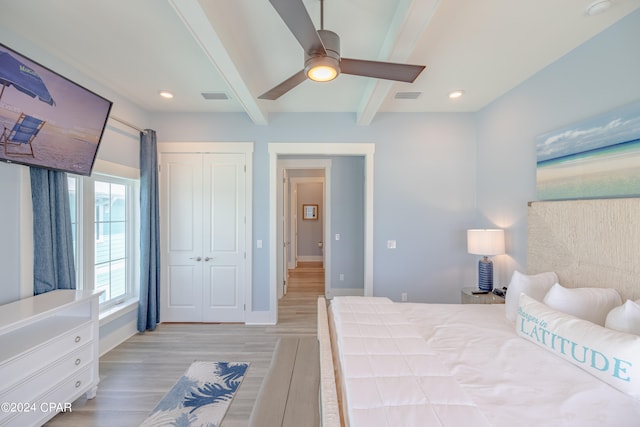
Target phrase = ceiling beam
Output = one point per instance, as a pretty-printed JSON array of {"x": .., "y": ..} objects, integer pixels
[
  {"x": 196, "y": 21},
  {"x": 408, "y": 24}
]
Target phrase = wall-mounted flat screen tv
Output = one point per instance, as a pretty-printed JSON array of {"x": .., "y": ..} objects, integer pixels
[{"x": 46, "y": 119}]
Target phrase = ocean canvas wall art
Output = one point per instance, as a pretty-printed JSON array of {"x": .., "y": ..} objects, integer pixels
[{"x": 596, "y": 158}]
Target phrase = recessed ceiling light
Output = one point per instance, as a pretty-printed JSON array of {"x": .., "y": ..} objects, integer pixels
[
  {"x": 455, "y": 94},
  {"x": 166, "y": 94},
  {"x": 598, "y": 7}
]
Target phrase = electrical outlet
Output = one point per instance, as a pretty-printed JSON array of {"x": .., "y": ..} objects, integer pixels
[
  {"x": 341, "y": 276},
  {"x": 337, "y": 236},
  {"x": 391, "y": 244},
  {"x": 404, "y": 297}
]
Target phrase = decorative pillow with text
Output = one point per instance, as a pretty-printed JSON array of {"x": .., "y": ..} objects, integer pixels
[{"x": 609, "y": 355}]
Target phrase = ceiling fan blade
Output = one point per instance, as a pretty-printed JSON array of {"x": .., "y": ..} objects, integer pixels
[
  {"x": 284, "y": 87},
  {"x": 295, "y": 15},
  {"x": 381, "y": 70}
]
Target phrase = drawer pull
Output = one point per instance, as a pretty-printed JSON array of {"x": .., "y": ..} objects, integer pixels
[
  {"x": 78, "y": 338},
  {"x": 77, "y": 362},
  {"x": 78, "y": 383}
]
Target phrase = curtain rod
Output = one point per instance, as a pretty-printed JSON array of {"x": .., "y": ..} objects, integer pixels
[{"x": 126, "y": 123}]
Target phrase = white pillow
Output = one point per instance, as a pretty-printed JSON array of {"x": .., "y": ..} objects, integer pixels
[
  {"x": 606, "y": 354},
  {"x": 625, "y": 318},
  {"x": 536, "y": 286},
  {"x": 592, "y": 304}
]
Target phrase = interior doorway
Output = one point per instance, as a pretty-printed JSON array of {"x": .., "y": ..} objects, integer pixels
[
  {"x": 279, "y": 151},
  {"x": 304, "y": 232},
  {"x": 305, "y": 185}
]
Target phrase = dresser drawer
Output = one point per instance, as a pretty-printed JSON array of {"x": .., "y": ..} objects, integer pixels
[
  {"x": 42, "y": 355},
  {"x": 54, "y": 401},
  {"x": 49, "y": 377}
]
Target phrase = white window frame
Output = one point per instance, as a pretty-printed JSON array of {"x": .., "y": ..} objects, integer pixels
[{"x": 85, "y": 232}]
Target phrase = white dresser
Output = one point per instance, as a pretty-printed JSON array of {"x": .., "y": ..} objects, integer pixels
[{"x": 48, "y": 355}]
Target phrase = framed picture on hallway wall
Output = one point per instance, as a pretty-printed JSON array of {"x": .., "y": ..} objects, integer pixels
[{"x": 309, "y": 211}]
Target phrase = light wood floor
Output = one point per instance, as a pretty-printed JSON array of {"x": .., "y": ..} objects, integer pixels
[{"x": 135, "y": 375}]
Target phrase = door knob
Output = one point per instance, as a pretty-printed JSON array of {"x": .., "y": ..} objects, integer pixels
[
  {"x": 197, "y": 258},
  {"x": 207, "y": 258}
]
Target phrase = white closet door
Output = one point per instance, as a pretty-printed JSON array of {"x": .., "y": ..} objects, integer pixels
[
  {"x": 181, "y": 219},
  {"x": 224, "y": 237},
  {"x": 203, "y": 220}
]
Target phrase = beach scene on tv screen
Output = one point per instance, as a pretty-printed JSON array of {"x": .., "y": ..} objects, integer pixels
[{"x": 45, "y": 119}]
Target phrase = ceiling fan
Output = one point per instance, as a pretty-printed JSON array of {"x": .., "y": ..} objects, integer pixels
[{"x": 322, "y": 61}]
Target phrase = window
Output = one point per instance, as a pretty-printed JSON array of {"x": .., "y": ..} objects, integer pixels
[
  {"x": 104, "y": 240},
  {"x": 110, "y": 225}
]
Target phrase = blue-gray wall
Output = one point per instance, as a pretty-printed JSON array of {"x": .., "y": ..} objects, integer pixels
[
  {"x": 310, "y": 231},
  {"x": 598, "y": 76},
  {"x": 347, "y": 218}
]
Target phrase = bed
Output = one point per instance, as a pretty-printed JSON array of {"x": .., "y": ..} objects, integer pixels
[{"x": 406, "y": 364}]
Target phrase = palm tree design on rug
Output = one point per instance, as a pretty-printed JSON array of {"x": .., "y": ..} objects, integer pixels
[{"x": 211, "y": 392}]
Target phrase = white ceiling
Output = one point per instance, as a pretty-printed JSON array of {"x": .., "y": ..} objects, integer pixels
[{"x": 243, "y": 48}]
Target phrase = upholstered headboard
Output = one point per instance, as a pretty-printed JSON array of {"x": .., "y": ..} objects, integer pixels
[{"x": 588, "y": 243}]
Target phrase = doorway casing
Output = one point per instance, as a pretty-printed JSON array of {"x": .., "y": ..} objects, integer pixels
[{"x": 322, "y": 149}]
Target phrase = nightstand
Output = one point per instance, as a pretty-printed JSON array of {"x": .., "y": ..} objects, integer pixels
[{"x": 490, "y": 298}]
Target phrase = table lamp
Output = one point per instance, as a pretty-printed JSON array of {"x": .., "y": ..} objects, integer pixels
[{"x": 486, "y": 243}]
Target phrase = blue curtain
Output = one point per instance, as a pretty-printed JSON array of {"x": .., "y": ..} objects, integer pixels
[
  {"x": 149, "y": 305},
  {"x": 53, "y": 264}
]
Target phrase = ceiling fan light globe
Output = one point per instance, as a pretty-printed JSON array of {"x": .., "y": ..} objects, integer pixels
[
  {"x": 322, "y": 68},
  {"x": 322, "y": 73}
]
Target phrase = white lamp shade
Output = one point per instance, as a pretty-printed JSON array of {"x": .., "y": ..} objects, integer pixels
[{"x": 485, "y": 242}]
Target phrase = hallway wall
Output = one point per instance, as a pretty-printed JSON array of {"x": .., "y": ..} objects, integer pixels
[{"x": 310, "y": 231}]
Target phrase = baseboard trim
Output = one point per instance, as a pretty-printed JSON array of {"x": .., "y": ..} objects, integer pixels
[{"x": 309, "y": 258}]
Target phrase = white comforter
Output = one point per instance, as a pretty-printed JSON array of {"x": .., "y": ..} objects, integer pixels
[
  {"x": 390, "y": 376},
  {"x": 460, "y": 365}
]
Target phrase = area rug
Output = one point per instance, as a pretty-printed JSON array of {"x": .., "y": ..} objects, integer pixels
[{"x": 201, "y": 396}]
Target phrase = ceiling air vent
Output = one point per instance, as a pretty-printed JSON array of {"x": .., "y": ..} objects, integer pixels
[
  {"x": 407, "y": 95},
  {"x": 214, "y": 95}
]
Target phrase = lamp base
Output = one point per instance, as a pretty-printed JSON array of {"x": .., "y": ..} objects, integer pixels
[{"x": 485, "y": 274}]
